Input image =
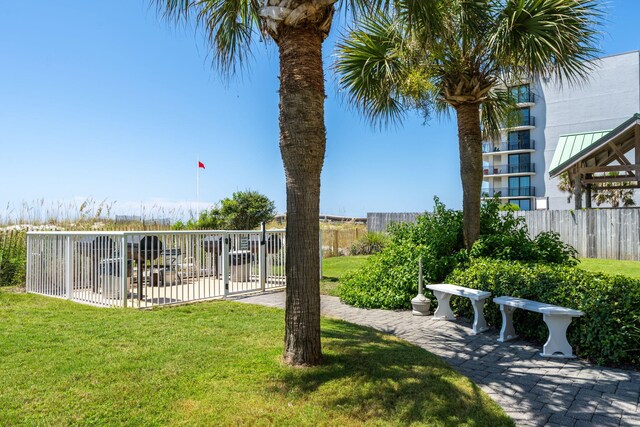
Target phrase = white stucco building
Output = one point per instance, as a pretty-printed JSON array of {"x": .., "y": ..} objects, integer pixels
[{"x": 517, "y": 167}]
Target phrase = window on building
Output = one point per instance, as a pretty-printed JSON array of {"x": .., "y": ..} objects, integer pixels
[
  {"x": 525, "y": 116},
  {"x": 521, "y": 93},
  {"x": 520, "y": 186},
  {"x": 525, "y": 204},
  {"x": 519, "y": 139},
  {"x": 519, "y": 163}
]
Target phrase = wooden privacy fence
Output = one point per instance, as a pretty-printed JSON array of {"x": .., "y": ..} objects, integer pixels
[
  {"x": 379, "y": 221},
  {"x": 595, "y": 233},
  {"x": 337, "y": 240}
]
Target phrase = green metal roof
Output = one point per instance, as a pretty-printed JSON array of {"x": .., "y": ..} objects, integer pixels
[
  {"x": 571, "y": 144},
  {"x": 572, "y": 147}
]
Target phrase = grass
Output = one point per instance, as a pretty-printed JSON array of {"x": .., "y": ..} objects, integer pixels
[
  {"x": 333, "y": 269},
  {"x": 215, "y": 363},
  {"x": 611, "y": 266}
]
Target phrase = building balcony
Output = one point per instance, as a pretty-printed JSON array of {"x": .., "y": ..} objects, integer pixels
[
  {"x": 509, "y": 192},
  {"x": 521, "y": 168},
  {"x": 523, "y": 123},
  {"x": 490, "y": 148},
  {"x": 525, "y": 98}
]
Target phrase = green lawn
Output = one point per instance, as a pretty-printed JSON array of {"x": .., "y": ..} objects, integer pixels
[
  {"x": 610, "y": 266},
  {"x": 334, "y": 268},
  {"x": 215, "y": 363}
]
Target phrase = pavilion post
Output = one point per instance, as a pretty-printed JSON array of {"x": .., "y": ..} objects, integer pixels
[{"x": 577, "y": 190}]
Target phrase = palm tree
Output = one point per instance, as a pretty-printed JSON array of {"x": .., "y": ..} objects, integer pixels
[
  {"x": 614, "y": 197},
  {"x": 438, "y": 55},
  {"x": 298, "y": 27},
  {"x": 601, "y": 194},
  {"x": 565, "y": 185}
]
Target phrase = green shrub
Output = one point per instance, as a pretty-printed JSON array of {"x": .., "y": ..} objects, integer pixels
[
  {"x": 244, "y": 210},
  {"x": 13, "y": 267},
  {"x": 369, "y": 244},
  {"x": 389, "y": 279},
  {"x": 609, "y": 333},
  {"x": 518, "y": 246},
  {"x": 509, "y": 207},
  {"x": 506, "y": 237}
]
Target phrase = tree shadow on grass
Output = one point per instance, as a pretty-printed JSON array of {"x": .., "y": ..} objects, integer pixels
[{"x": 372, "y": 377}]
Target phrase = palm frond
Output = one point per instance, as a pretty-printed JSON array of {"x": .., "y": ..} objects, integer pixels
[
  {"x": 499, "y": 111},
  {"x": 427, "y": 16},
  {"x": 363, "y": 8},
  {"x": 370, "y": 69},
  {"x": 173, "y": 10},
  {"x": 231, "y": 26},
  {"x": 551, "y": 38}
]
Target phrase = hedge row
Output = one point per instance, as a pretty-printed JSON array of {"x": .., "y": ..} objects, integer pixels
[
  {"x": 390, "y": 278},
  {"x": 609, "y": 333}
]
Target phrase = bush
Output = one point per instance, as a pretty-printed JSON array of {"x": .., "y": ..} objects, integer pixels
[
  {"x": 245, "y": 210},
  {"x": 390, "y": 278},
  {"x": 13, "y": 267},
  {"x": 369, "y": 244},
  {"x": 609, "y": 333},
  {"x": 517, "y": 246}
]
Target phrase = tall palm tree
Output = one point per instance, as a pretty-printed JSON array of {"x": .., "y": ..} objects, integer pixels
[
  {"x": 298, "y": 27},
  {"x": 438, "y": 55}
]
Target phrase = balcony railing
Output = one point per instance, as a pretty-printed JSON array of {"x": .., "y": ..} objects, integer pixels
[
  {"x": 510, "y": 192},
  {"x": 527, "y": 121},
  {"x": 523, "y": 121},
  {"x": 525, "y": 97},
  {"x": 506, "y": 169},
  {"x": 508, "y": 146}
]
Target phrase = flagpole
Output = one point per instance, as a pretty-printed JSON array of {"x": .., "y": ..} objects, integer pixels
[{"x": 198, "y": 189}]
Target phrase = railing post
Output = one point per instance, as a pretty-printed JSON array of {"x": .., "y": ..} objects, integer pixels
[
  {"x": 29, "y": 264},
  {"x": 123, "y": 269},
  {"x": 225, "y": 263},
  {"x": 67, "y": 267},
  {"x": 262, "y": 257}
]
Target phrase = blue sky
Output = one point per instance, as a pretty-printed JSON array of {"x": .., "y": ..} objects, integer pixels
[{"x": 105, "y": 100}]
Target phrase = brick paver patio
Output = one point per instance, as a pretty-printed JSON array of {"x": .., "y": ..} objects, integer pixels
[{"x": 533, "y": 390}]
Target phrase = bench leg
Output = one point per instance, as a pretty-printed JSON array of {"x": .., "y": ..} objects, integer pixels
[
  {"x": 507, "y": 332},
  {"x": 479, "y": 322},
  {"x": 557, "y": 342},
  {"x": 443, "y": 312}
]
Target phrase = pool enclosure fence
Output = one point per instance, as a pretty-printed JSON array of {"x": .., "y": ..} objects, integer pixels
[{"x": 149, "y": 268}]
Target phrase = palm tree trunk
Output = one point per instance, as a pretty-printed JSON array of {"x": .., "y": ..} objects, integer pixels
[
  {"x": 470, "y": 142},
  {"x": 302, "y": 145}
]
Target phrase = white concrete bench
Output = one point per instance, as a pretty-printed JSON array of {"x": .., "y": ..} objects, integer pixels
[
  {"x": 557, "y": 319},
  {"x": 443, "y": 294}
]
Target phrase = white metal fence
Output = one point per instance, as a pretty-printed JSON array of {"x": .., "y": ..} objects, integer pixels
[{"x": 148, "y": 268}]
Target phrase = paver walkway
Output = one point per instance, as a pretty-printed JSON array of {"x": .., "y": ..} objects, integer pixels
[{"x": 533, "y": 390}]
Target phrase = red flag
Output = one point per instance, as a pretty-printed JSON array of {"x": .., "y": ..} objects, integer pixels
[{"x": 201, "y": 165}]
